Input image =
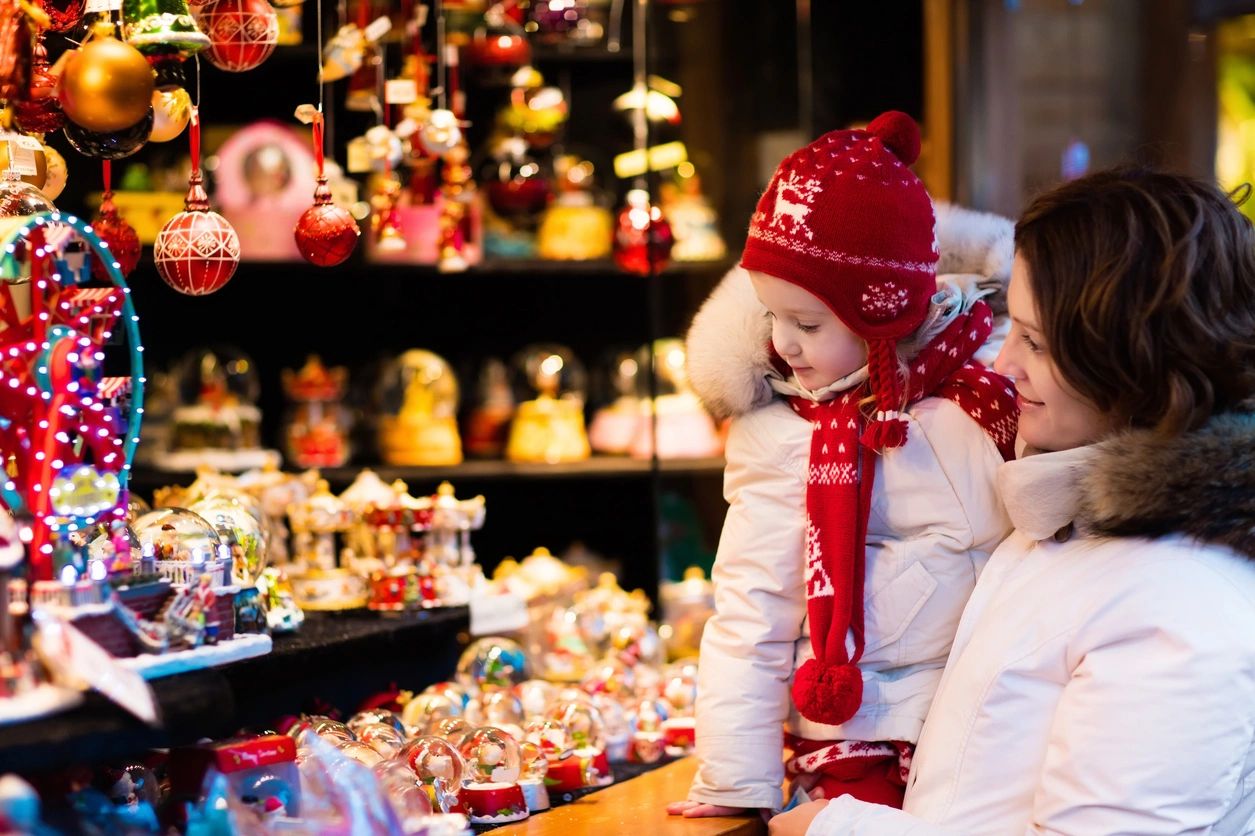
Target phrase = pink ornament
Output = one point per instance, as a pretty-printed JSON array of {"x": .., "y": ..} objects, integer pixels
[
  {"x": 242, "y": 33},
  {"x": 197, "y": 250},
  {"x": 121, "y": 237},
  {"x": 326, "y": 234}
]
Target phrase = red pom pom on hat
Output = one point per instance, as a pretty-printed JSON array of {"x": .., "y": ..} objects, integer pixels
[
  {"x": 899, "y": 133},
  {"x": 829, "y": 694}
]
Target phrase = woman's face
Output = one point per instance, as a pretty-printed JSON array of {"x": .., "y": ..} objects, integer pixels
[{"x": 1053, "y": 416}]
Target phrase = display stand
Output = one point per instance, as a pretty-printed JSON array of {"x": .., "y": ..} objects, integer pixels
[{"x": 340, "y": 660}]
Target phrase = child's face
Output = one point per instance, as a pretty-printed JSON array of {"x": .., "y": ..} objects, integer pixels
[
  {"x": 1053, "y": 416},
  {"x": 807, "y": 334}
]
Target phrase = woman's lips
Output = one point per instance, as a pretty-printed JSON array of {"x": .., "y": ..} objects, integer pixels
[{"x": 1023, "y": 402}]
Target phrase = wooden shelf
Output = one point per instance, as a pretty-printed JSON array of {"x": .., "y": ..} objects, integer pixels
[{"x": 597, "y": 467}]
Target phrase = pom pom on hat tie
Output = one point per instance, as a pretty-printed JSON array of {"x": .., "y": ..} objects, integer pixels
[{"x": 829, "y": 694}]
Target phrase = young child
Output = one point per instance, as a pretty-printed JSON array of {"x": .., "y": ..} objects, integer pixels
[{"x": 860, "y": 475}]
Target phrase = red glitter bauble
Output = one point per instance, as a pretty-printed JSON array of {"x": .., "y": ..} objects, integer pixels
[
  {"x": 121, "y": 237},
  {"x": 197, "y": 252},
  {"x": 326, "y": 234},
  {"x": 642, "y": 237},
  {"x": 242, "y": 33}
]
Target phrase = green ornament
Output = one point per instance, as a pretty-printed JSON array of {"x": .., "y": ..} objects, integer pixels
[{"x": 162, "y": 27}]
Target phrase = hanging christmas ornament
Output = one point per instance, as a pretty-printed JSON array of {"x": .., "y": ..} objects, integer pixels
[
  {"x": 39, "y": 112},
  {"x": 197, "y": 250},
  {"x": 166, "y": 33},
  {"x": 642, "y": 237},
  {"x": 457, "y": 191},
  {"x": 15, "y": 51},
  {"x": 63, "y": 15},
  {"x": 106, "y": 85},
  {"x": 517, "y": 189},
  {"x": 384, "y": 221},
  {"x": 24, "y": 155},
  {"x": 118, "y": 235},
  {"x": 498, "y": 46},
  {"x": 57, "y": 173},
  {"x": 157, "y": 27},
  {"x": 325, "y": 234},
  {"x": 109, "y": 145},
  {"x": 343, "y": 53},
  {"x": 171, "y": 111},
  {"x": 441, "y": 133},
  {"x": 18, "y": 198},
  {"x": 242, "y": 33}
]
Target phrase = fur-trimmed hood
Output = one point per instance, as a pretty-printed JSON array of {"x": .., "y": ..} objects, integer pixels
[
  {"x": 1201, "y": 484},
  {"x": 728, "y": 358}
]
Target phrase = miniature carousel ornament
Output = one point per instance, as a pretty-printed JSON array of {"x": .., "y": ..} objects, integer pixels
[
  {"x": 242, "y": 33},
  {"x": 118, "y": 235},
  {"x": 325, "y": 234},
  {"x": 197, "y": 250},
  {"x": 106, "y": 85}
]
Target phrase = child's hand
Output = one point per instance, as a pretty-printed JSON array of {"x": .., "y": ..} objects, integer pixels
[
  {"x": 797, "y": 821},
  {"x": 697, "y": 810}
]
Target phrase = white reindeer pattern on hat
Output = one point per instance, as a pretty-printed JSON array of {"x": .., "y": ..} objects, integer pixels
[{"x": 794, "y": 211}]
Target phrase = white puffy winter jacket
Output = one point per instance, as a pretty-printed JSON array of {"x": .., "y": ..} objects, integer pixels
[
  {"x": 1099, "y": 683},
  {"x": 935, "y": 518}
]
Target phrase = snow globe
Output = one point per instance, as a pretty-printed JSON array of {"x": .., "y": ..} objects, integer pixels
[
  {"x": 492, "y": 662},
  {"x": 217, "y": 423},
  {"x": 418, "y": 404},
  {"x": 548, "y": 424},
  {"x": 683, "y": 427},
  {"x": 491, "y": 793},
  {"x": 439, "y": 768}
]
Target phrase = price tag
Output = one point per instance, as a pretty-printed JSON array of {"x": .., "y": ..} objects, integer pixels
[
  {"x": 103, "y": 6},
  {"x": 400, "y": 91},
  {"x": 378, "y": 27},
  {"x": 22, "y": 151},
  {"x": 500, "y": 613},
  {"x": 74, "y": 658}
]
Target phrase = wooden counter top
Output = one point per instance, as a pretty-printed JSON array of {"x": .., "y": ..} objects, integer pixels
[{"x": 635, "y": 806}]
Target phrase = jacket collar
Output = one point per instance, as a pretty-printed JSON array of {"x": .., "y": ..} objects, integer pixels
[{"x": 1135, "y": 484}]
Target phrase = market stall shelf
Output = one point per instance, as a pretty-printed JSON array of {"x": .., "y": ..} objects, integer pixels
[{"x": 341, "y": 659}]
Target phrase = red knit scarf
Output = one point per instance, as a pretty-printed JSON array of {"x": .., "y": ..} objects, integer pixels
[{"x": 829, "y": 688}]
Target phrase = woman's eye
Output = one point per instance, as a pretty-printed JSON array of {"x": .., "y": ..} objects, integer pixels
[
  {"x": 807, "y": 329},
  {"x": 1032, "y": 345}
]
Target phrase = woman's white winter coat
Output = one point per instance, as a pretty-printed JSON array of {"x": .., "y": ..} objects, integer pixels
[
  {"x": 1103, "y": 676},
  {"x": 935, "y": 518}
]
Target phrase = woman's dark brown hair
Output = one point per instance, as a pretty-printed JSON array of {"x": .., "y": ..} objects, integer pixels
[{"x": 1145, "y": 289}]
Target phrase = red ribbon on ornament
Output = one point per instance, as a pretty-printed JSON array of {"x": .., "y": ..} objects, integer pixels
[
  {"x": 318, "y": 140},
  {"x": 107, "y": 176},
  {"x": 194, "y": 138}
]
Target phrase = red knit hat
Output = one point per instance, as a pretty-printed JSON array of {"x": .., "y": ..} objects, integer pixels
[{"x": 845, "y": 219}]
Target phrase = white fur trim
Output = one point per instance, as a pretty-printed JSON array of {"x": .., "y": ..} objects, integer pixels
[
  {"x": 728, "y": 358},
  {"x": 974, "y": 242}
]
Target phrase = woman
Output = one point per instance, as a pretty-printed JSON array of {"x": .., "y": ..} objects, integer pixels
[{"x": 1103, "y": 676}]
